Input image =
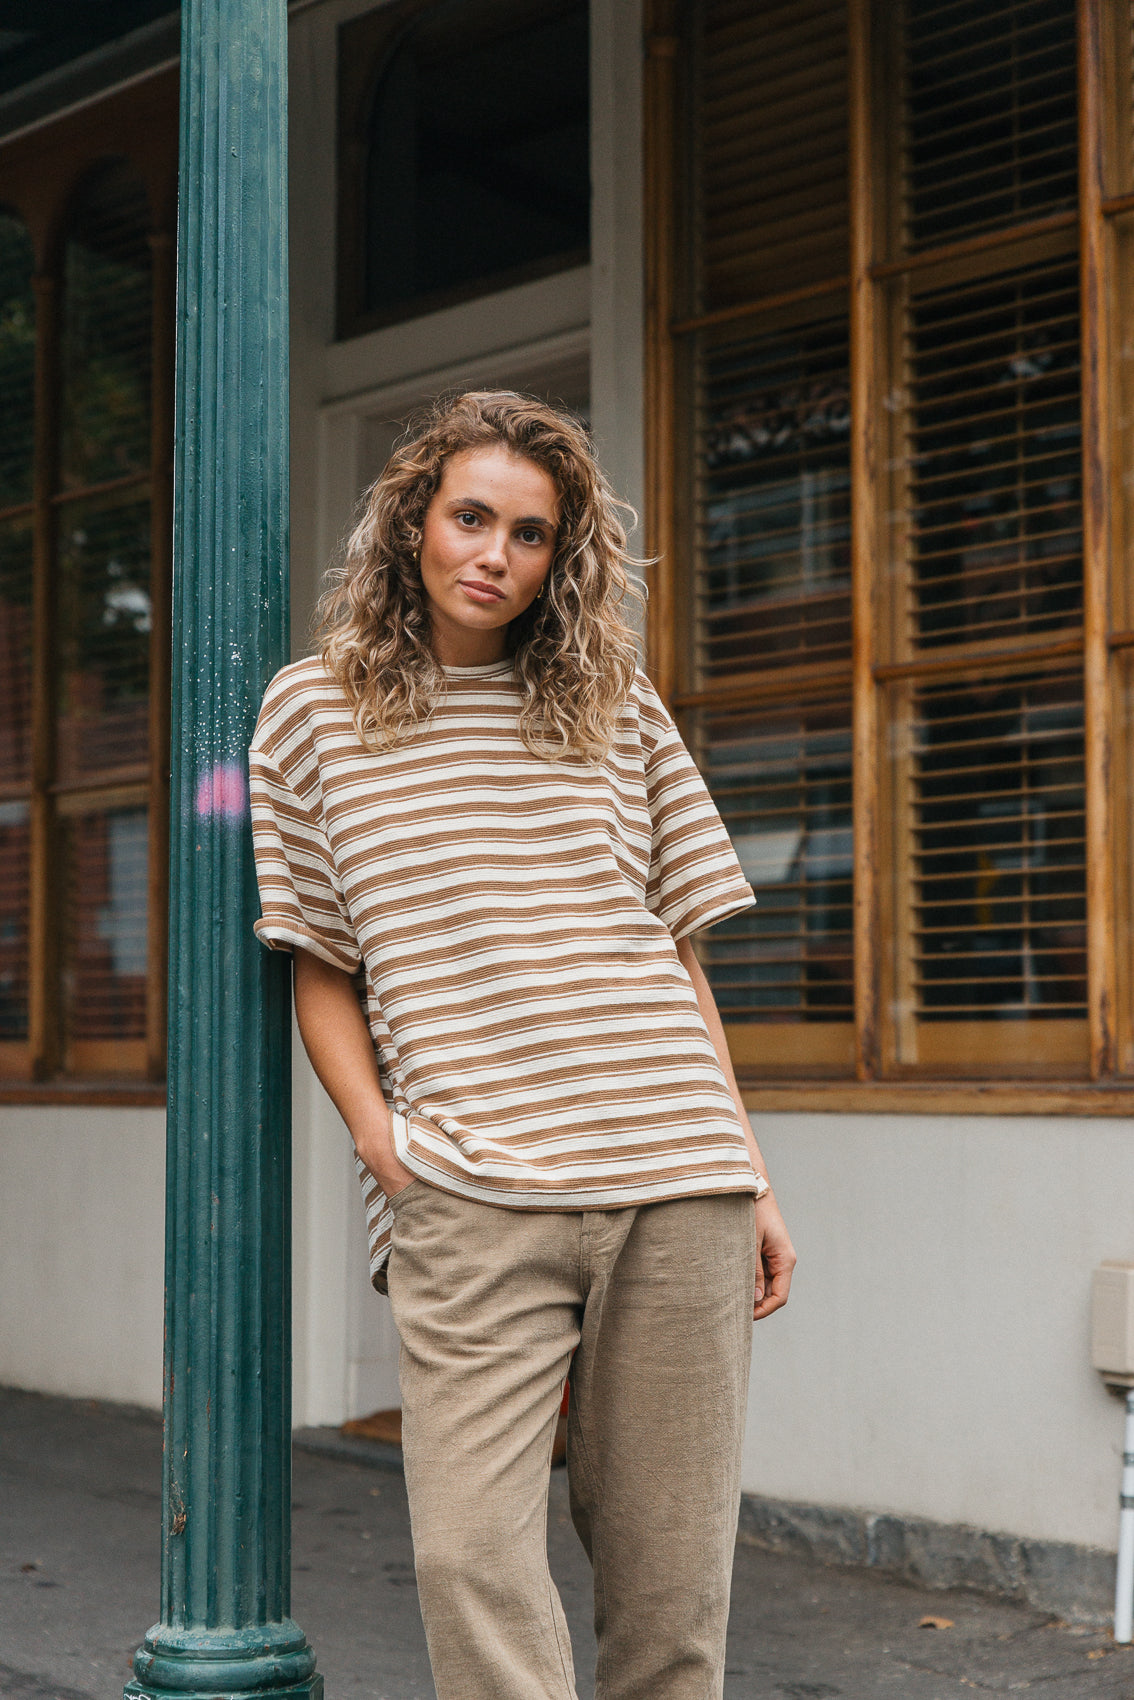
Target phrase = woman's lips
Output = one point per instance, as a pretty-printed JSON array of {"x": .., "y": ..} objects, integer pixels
[{"x": 483, "y": 593}]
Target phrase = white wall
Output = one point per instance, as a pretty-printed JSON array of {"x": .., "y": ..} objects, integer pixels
[
  {"x": 934, "y": 1357},
  {"x": 82, "y": 1216}
]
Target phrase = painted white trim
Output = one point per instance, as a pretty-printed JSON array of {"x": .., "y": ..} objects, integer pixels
[
  {"x": 617, "y": 311},
  {"x": 494, "y": 329},
  {"x": 525, "y": 362}
]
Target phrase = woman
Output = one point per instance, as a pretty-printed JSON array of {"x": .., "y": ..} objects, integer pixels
[{"x": 474, "y": 802}]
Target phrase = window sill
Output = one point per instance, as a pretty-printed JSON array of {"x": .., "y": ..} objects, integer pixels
[
  {"x": 940, "y": 1097},
  {"x": 81, "y": 1094}
]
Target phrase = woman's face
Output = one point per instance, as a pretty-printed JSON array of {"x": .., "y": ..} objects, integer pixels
[{"x": 487, "y": 544}]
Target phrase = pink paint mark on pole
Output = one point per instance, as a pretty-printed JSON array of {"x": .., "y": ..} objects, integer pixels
[{"x": 223, "y": 790}]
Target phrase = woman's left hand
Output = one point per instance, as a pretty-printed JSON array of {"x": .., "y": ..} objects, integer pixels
[{"x": 775, "y": 1259}]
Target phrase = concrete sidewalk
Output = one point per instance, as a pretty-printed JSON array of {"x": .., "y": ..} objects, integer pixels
[{"x": 79, "y": 1556}]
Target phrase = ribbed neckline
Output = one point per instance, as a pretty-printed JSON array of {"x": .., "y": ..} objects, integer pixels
[{"x": 487, "y": 670}]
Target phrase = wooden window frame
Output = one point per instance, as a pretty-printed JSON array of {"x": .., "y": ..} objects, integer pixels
[
  {"x": 1101, "y": 230},
  {"x": 40, "y": 172}
]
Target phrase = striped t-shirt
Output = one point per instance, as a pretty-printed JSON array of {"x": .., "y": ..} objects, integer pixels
[{"x": 539, "y": 1042}]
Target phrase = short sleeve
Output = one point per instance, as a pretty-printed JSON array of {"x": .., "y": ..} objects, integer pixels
[
  {"x": 695, "y": 878},
  {"x": 300, "y": 897}
]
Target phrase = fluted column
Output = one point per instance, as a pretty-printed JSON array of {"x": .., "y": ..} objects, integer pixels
[{"x": 225, "y": 1593}]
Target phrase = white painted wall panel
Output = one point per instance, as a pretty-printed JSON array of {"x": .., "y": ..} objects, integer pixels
[
  {"x": 82, "y": 1218},
  {"x": 934, "y": 1358}
]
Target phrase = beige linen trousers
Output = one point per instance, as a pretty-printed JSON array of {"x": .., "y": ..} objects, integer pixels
[{"x": 655, "y": 1303}]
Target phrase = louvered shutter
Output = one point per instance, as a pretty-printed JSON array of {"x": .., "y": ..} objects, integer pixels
[
  {"x": 770, "y": 132},
  {"x": 987, "y": 753},
  {"x": 765, "y": 678},
  {"x": 990, "y": 115}
]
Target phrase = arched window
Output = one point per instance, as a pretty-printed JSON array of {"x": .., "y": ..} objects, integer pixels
[{"x": 464, "y": 163}]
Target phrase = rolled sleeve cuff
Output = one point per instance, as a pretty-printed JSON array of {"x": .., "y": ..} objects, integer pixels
[
  {"x": 293, "y": 935},
  {"x": 707, "y": 909}
]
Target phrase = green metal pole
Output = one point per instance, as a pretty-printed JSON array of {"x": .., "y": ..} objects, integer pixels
[{"x": 225, "y": 1627}]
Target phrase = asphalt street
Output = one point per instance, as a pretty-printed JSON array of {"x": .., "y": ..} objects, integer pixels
[{"x": 79, "y": 1569}]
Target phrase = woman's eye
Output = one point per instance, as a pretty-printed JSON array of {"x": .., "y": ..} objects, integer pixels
[
  {"x": 468, "y": 518},
  {"x": 530, "y": 535}
]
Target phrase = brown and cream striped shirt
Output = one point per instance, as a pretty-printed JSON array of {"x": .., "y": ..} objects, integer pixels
[{"x": 514, "y": 919}]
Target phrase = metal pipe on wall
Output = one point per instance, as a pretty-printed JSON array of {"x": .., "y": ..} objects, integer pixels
[{"x": 1124, "y": 1580}]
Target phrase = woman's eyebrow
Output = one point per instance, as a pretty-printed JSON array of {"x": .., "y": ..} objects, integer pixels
[{"x": 490, "y": 512}]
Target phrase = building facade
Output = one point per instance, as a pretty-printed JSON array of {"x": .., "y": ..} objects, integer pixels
[{"x": 842, "y": 289}]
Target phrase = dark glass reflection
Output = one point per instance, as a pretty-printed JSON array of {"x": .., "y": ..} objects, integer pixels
[
  {"x": 782, "y": 782},
  {"x": 991, "y": 128},
  {"x": 478, "y": 164},
  {"x": 996, "y": 458},
  {"x": 15, "y": 648},
  {"x": 15, "y": 852},
  {"x": 105, "y": 931},
  {"x": 104, "y": 621},
  {"x": 774, "y": 543},
  {"x": 1000, "y": 849},
  {"x": 17, "y": 361},
  {"x": 106, "y": 331}
]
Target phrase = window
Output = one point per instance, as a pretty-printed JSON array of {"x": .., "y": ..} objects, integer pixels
[
  {"x": 17, "y": 385},
  {"x": 85, "y": 360},
  {"x": 463, "y": 152},
  {"x": 894, "y": 638}
]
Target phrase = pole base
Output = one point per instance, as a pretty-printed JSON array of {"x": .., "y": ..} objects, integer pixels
[
  {"x": 312, "y": 1689},
  {"x": 265, "y": 1662}
]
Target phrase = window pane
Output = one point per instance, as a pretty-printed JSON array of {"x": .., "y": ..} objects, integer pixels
[
  {"x": 17, "y": 361},
  {"x": 781, "y": 778},
  {"x": 996, "y": 536},
  {"x": 990, "y": 114},
  {"x": 478, "y": 153},
  {"x": 104, "y": 925},
  {"x": 104, "y": 619},
  {"x": 994, "y": 794},
  {"x": 15, "y": 649},
  {"x": 770, "y": 137},
  {"x": 773, "y": 464},
  {"x": 106, "y": 331},
  {"x": 14, "y": 899}
]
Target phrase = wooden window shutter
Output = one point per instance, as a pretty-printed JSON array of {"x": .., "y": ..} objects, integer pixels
[
  {"x": 770, "y": 133},
  {"x": 773, "y": 502},
  {"x": 982, "y": 665},
  {"x": 990, "y": 119},
  {"x": 764, "y": 644},
  {"x": 897, "y": 589},
  {"x": 995, "y": 444}
]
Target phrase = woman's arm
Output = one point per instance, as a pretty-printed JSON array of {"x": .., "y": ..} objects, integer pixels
[
  {"x": 338, "y": 1042},
  {"x": 775, "y": 1254}
]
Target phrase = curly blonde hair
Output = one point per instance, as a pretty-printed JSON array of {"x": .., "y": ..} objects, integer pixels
[{"x": 573, "y": 652}]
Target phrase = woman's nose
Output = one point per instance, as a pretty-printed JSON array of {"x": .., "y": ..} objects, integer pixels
[{"x": 494, "y": 555}]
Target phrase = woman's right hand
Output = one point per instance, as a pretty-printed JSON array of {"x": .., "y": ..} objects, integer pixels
[
  {"x": 374, "y": 1143},
  {"x": 337, "y": 1040}
]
